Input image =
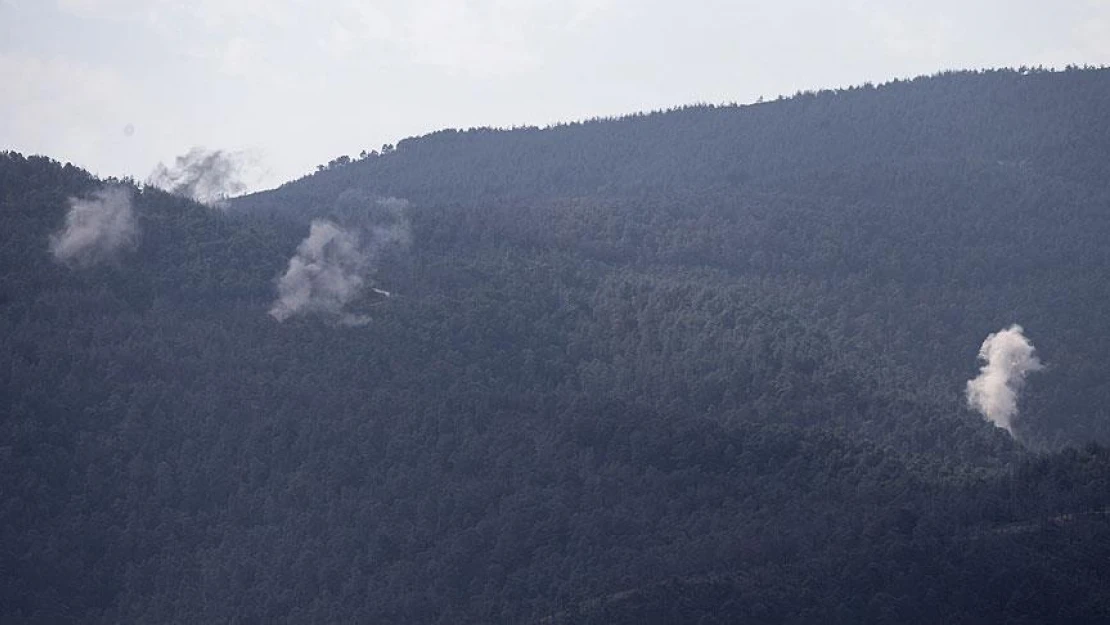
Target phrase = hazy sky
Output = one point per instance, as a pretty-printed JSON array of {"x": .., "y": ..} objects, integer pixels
[{"x": 119, "y": 85}]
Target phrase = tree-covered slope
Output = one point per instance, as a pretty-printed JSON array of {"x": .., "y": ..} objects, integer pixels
[
  {"x": 908, "y": 221},
  {"x": 1048, "y": 123},
  {"x": 704, "y": 364}
]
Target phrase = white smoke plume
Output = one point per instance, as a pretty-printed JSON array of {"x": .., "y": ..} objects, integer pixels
[
  {"x": 1008, "y": 357},
  {"x": 334, "y": 264},
  {"x": 206, "y": 176},
  {"x": 324, "y": 276},
  {"x": 96, "y": 228}
]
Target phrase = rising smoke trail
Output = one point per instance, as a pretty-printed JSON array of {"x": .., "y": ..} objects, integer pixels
[
  {"x": 1008, "y": 357},
  {"x": 206, "y": 176},
  {"x": 334, "y": 263},
  {"x": 324, "y": 276},
  {"x": 96, "y": 228}
]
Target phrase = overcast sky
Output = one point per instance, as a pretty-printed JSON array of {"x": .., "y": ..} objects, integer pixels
[{"x": 117, "y": 86}]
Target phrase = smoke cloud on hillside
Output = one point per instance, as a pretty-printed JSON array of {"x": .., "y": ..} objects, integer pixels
[
  {"x": 96, "y": 228},
  {"x": 335, "y": 263},
  {"x": 206, "y": 176},
  {"x": 1008, "y": 357}
]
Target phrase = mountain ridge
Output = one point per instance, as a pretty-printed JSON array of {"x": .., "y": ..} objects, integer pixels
[{"x": 617, "y": 357}]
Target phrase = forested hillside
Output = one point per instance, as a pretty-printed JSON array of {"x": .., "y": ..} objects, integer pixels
[
  {"x": 703, "y": 365},
  {"x": 909, "y": 219}
]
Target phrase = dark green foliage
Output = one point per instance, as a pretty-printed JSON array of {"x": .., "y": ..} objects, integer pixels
[{"x": 697, "y": 366}]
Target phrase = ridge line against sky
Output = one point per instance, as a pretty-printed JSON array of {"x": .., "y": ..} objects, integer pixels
[{"x": 118, "y": 86}]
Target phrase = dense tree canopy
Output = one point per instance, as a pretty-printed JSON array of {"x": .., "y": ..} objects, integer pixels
[{"x": 702, "y": 365}]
